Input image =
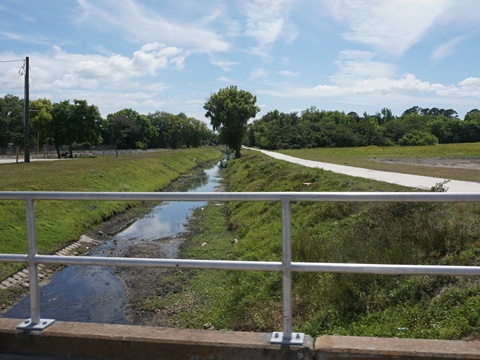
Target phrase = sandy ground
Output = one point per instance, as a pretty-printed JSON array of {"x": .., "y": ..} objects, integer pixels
[{"x": 473, "y": 164}]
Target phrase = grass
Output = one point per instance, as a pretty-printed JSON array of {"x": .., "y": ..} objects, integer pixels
[
  {"x": 194, "y": 298},
  {"x": 59, "y": 223},
  {"x": 349, "y": 304},
  {"x": 367, "y": 157}
]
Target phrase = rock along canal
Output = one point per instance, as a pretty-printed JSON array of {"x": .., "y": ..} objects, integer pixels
[{"x": 95, "y": 293}]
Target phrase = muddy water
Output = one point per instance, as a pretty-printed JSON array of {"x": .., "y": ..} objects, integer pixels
[{"x": 94, "y": 293}]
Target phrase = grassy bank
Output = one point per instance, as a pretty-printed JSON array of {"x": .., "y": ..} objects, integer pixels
[
  {"x": 369, "y": 157},
  {"x": 59, "y": 223},
  {"x": 367, "y": 305}
]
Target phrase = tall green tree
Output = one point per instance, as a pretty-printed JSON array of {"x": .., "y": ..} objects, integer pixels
[
  {"x": 40, "y": 118},
  {"x": 118, "y": 128},
  {"x": 75, "y": 123},
  {"x": 139, "y": 131},
  {"x": 229, "y": 111},
  {"x": 58, "y": 125},
  {"x": 11, "y": 120}
]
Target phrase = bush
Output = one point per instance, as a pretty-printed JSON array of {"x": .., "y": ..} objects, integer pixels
[{"x": 418, "y": 138}]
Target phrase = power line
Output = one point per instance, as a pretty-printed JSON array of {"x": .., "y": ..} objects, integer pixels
[
  {"x": 21, "y": 71},
  {"x": 8, "y": 61},
  {"x": 11, "y": 77}
]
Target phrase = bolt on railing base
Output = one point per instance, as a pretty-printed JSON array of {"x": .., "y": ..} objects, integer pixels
[
  {"x": 278, "y": 338},
  {"x": 30, "y": 325}
]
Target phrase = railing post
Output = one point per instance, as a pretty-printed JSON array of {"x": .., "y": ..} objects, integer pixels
[
  {"x": 287, "y": 337},
  {"x": 35, "y": 322}
]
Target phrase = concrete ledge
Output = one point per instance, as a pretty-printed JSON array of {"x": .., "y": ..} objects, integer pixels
[
  {"x": 104, "y": 341},
  {"x": 353, "y": 347}
]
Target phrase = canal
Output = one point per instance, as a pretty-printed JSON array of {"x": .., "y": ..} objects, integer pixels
[{"x": 95, "y": 293}]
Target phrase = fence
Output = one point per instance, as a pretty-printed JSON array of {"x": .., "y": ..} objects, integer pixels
[{"x": 286, "y": 266}]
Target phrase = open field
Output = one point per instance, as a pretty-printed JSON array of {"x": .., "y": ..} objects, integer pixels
[{"x": 447, "y": 161}]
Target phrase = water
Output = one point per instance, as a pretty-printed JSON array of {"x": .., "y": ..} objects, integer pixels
[{"x": 94, "y": 293}]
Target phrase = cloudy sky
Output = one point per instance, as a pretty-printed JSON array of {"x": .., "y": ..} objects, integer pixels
[{"x": 348, "y": 55}]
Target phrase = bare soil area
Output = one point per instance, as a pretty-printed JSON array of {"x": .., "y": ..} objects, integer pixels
[{"x": 472, "y": 164}]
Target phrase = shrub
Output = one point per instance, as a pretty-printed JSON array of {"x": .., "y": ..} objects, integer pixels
[{"x": 418, "y": 138}]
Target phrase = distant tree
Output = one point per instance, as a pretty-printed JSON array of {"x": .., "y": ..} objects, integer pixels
[
  {"x": 75, "y": 123},
  {"x": 229, "y": 111},
  {"x": 138, "y": 130},
  {"x": 386, "y": 115},
  {"x": 11, "y": 120},
  {"x": 85, "y": 124},
  {"x": 412, "y": 110},
  {"x": 58, "y": 126},
  {"x": 40, "y": 118},
  {"x": 473, "y": 115},
  {"x": 119, "y": 127}
]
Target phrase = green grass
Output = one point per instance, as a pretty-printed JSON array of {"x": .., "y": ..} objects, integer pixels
[
  {"x": 193, "y": 298},
  {"x": 366, "y": 157},
  {"x": 348, "y": 304},
  {"x": 59, "y": 223}
]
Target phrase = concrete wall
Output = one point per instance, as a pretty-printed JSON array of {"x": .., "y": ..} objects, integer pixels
[{"x": 103, "y": 341}]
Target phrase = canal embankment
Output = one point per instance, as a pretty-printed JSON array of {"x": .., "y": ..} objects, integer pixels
[{"x": 61, "y": 224}]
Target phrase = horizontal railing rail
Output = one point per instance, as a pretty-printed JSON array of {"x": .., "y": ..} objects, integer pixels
[{"x": 286, "y": 266}]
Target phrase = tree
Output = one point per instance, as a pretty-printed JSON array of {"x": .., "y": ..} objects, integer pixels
[
  {"x": 40, "y": 118},
  {"x": 139, "y": 131},
  {"x": 58, "y": 125},
  {"x": 74, "y": 124},
  {"x": 118, "y": 127},
  {"x": 11, "y": 120},
  {"x": 229, "y": 111}
]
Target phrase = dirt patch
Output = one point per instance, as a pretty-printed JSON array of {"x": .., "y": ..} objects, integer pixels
[
  {"x": 472, "y": 164},
  {"x": 143, "y": 282}
]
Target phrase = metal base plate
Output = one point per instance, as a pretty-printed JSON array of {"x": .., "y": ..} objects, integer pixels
[
  {"x": 278, "y": 338},
  {"x": 41, "y": 325}
]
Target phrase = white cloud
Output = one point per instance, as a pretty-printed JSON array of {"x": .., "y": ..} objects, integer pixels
[
  {"x": 39, "y": 40},
  {"x": 406, "y": 85},
  {"x": 470, "y": 82},
  {"x": 392, "y": 26},
  {"x": 355, "y": 66},
  {"x": 267, "y": 22},
  {"x": 110, "y": 82},
  {"x": 258, "y": 73},
  {"x": 140, "y": 24},
  {"x": 288, "y": 73},
  {"x": 71, "y": 70},
  {"x": 446, "y": 49},
  {"x": 225, "y": 79},
  {"x": 225, "y": 65}
]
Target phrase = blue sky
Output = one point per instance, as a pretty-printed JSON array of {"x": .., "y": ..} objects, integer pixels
[{"x": 347, "y": 55}]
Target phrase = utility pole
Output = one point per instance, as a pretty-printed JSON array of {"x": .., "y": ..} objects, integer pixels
[{"x": 26, "y": 138}]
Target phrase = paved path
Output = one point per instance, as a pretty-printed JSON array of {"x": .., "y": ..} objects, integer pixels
[
  {"x": 414, "y": 181},
  {"x": 13, "y": 160}
]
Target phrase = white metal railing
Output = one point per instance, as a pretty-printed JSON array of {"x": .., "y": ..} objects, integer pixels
[{"x": 286, "y": 266}]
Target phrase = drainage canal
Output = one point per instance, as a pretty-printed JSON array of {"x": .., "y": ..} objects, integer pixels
[{"x": 94, "y": 293}]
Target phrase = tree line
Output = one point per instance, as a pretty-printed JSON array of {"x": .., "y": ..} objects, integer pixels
[
  {"x": 319, "y": 128},
  {"x": 230, "y": 110},
  {"x": 76, "y": 122}
]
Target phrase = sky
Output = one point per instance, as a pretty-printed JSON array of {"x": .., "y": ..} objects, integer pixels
[{"x": 149, "y": 55}]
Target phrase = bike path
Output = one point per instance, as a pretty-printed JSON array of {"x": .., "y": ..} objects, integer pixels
[{"x": 414, "y": 181}]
